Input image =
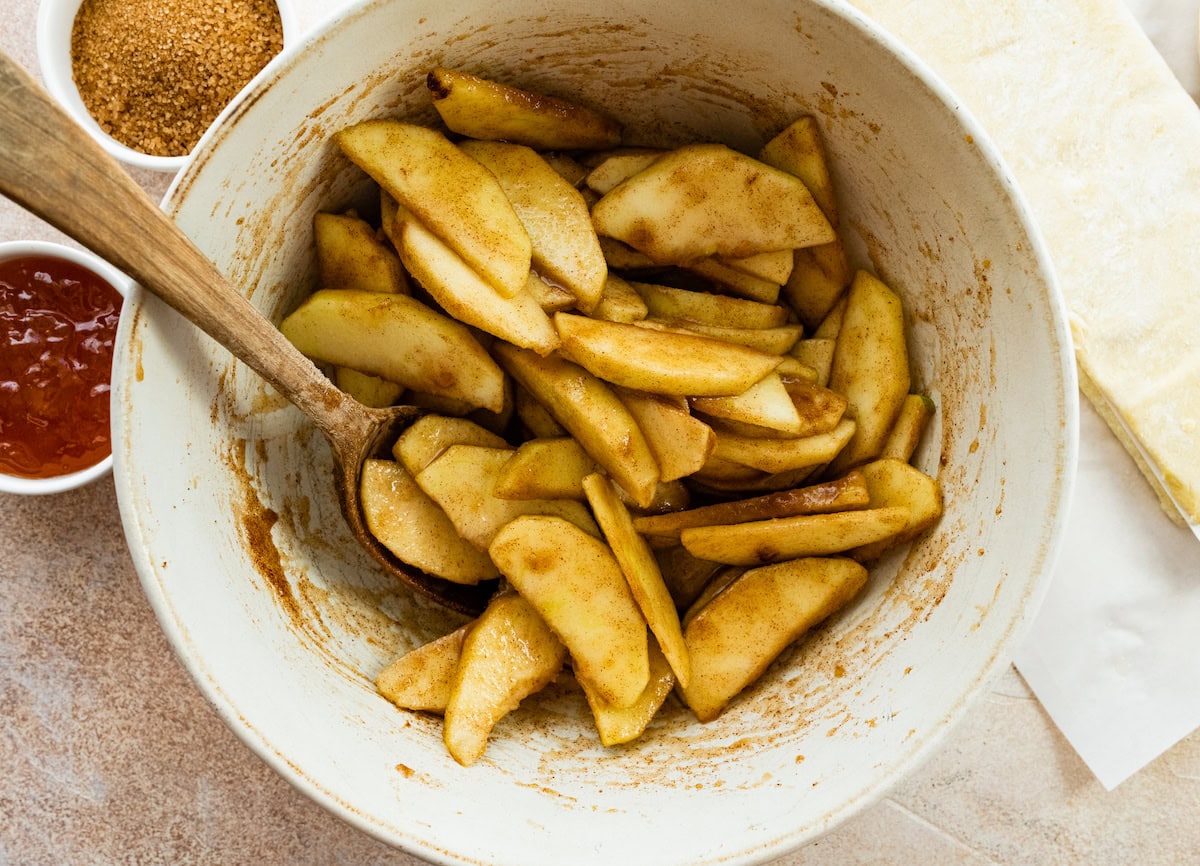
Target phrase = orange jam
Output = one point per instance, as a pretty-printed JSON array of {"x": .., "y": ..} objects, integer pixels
[{"x": 58, "y": 321}]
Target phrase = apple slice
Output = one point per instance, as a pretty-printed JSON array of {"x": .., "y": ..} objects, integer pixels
[
  {"x": 681, "y": 443},
  {"x": 487, "y": 110},
  {"x": 772, "y": 341},
  {"x": 893, "y": 482},
  {"x": 350, "y": 256},
  {"x": 736, "y": 282},
  {"x": 463, "y": 481},
  {"x": 764, "y": 541},
  {"x": 618, "y": 166},
  {"x": 509, "y": 654},
  {"x": 589, "y": 410},
  {"x": 619, "y": 302},
  {"x": 774, "y": 267},
  {"x": 777, "y": 604},
  {"x": 820, "y": 275},
  {"x": 661, "y": 362},
  {"x": 536, "y": 421},
  {"x": 817, "y": 354},
  {"x": 870, "y": 366},
  {"x": 426, "y": 438},
  {"x": 576, "y": 584},
  {"x": 461, "y": 292},
  {"x": 399, "y": 339},
  {"x": 707, "y": 308},
  {"x": 623, "y": 257},
  {"x": 367, "y": 389},
  {"x": 454, "y": 196},
  {"x": 843, "y": 494},
  {"x": 799, "y": 150},
  {"x": 641, "y": 571},
  {"x": 423, "y": 678},
  {"x": 707, "y": 199},
  {"x": 550, "y": 298},
  {"x": 415, "y": 528},
  {"x": 784, "y": 455},
  {"x": 911, "y": 421},
  {"x": 545, "y": 469},
  {"x": 765, "y": 403},
  {"x": 617, "y": 725},
  {"x": 685, "y": 575},
  {"x": 564, "y": 244}
]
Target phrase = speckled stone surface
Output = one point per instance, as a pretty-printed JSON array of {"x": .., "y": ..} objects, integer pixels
[{"x": 109, "y": 754}]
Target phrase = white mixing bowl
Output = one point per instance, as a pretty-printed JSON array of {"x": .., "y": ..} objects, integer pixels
[{"x": 283, "y": 621}]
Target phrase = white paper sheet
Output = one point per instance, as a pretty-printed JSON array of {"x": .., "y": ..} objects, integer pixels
[{"x": 1114, "y": 654}]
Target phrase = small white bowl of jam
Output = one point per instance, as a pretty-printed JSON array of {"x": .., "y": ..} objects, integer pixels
[{"x": 58, "y": 319}]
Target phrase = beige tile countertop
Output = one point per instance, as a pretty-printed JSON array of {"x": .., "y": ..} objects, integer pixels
[{"x": 109, "y": 754}]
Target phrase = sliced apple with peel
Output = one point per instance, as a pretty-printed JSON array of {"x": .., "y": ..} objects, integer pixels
[
  {"x": 661, "y": 362},
  {"x": 463, "y": 480},
  {"x": 465, "y": 295},
  {"x": 707, "y": 199},
  {"x": 902, "y": 440},
  {"x": 820, "y": 275},
  {"x": 870, "y": 366},
  {"x": 618, "y": 166},
  {"x": 399, "y": 339},
  {"x": 367, "y": 389},
  {"x": 509, "y": 654},
  {"x": 588, "y": 409},
  {"x": 773, "y": 267},
  {"x": 351, "y": 256},
  {"x": 842, "y": 494},
  {"x": 619, "y": 302},
  {"x": 665, "y": 302},
  {"x": 617, "y": 725},
  {"x": 894, "y": 482},
  {"x": 487, "y": 110},
  {"x": 685, "y": 575},
  {"x": 799, "y": 150},
  {"x": 452, "y": 195},
  {"x": 721, "y": 581},
  {"x": 536, "y": 421},
  {"x": 641, "y": 571},
  {"x": 765, "y": 403},
  {"x": 423, "y": 678},
  {"x": 817, "y": 354},
  {"x": 426, "y": 438},
  {"x": 783, "y": 455},
  {"x": 775, "y": 603},
  {"x": 680, "y": 442},
  {"x": 564, "y": 244},
  {"x": 405, "y": 520},
  {"x": 545, "y": 469},
  {"x": 772, "y": 341},
  {"x": 573, "y": 580},
  {"x": 550, "y": 298},
  {"x": 765, "y": 541},
  {"x": 735, "y": 281},
  {"x": 623, "y": 257}
]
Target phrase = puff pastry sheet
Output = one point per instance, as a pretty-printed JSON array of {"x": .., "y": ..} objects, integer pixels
[{"x": 1105, "y": 144}]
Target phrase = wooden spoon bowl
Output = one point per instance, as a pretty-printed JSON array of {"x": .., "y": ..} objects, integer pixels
[{"x": 54, "y": 169}]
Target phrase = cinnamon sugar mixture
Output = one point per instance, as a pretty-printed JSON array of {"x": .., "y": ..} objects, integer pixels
[{"x": 155, "y": 73}]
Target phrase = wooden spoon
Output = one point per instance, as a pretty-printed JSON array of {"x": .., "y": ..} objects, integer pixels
[{"x": 53, "y": 168}]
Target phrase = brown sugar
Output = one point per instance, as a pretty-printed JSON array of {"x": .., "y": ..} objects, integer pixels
[{"x": 156, "y": 73}]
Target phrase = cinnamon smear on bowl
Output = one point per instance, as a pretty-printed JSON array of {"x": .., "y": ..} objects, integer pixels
[{"x": 156, "y": 73}]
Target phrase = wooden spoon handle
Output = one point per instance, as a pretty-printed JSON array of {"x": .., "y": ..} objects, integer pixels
[{"x": 52, "y": 167}]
